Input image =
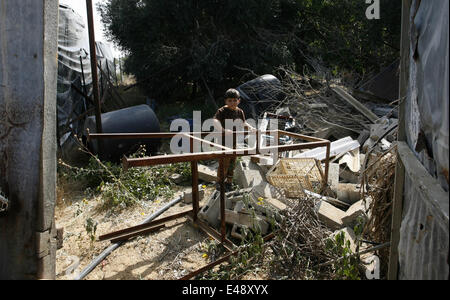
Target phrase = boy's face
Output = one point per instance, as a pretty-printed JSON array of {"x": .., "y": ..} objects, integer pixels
[{"x": 232, "y": 102}]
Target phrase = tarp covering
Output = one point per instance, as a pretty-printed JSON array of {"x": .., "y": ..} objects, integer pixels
[{"x": 73, "y": 63}]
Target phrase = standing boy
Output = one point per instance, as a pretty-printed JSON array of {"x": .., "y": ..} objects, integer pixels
[{"x": 230, "y": 111}]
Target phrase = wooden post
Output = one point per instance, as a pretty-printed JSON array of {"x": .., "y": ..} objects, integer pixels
[
  {"x": 28, "y": 86},
  {"x": 194, "y": 173},
  {"x": 397, "y": 205},
  {"x": 222, "y": 199}
]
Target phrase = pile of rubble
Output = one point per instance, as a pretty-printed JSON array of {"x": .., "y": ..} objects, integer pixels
[{"x": 267, "y": 186}]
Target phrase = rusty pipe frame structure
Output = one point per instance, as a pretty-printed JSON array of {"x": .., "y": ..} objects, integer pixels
[{"x": 194, "y": 158}]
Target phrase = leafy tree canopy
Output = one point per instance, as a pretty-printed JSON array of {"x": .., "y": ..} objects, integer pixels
[{"x": 175, "y": 45}]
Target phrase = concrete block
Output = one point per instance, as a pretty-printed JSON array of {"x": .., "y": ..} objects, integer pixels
[
  {"x": 349, "y": 235},
  {"x": 187, "y": 196},
  {"x": 348, "y": 192},
  {"x": 207, "y": 173},
  {"x": 333, "y": 175},
  {"x": 246, "y": 219},
  {"x": 235, "y": 232},
  {"x": 248, "y": 174},
  {"x": 353, "y": 213},
  {"x": 263, "y": 160},
  {"x": 211, "y": 211},
  {"x": 330, "y": 215},
  {"x": 176, "y": 178},
  {"x": 347, "y": 176},
  {"x": 277, "y": 204},
  {"x": 265, "y": 190}
]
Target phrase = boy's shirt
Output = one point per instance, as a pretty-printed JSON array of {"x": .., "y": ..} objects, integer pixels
[{"x": 225, "y": 113}]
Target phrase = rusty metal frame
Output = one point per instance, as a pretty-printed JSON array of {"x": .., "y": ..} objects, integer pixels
[{"x": 194, "y": 158}]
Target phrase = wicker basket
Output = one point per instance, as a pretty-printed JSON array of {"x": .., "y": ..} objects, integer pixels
[{"x": 293, "y": 175}]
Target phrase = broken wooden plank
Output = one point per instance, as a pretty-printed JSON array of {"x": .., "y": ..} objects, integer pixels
[{"x": 355, "y": 103}]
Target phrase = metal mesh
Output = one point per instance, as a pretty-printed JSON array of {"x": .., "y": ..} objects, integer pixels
[{"x": 293, "y": 175}]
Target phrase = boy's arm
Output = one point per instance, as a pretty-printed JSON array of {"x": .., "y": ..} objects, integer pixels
[{"x": 249, "y": 127}]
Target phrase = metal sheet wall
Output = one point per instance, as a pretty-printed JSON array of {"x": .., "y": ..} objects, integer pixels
[{"x": 424, "y": 238}]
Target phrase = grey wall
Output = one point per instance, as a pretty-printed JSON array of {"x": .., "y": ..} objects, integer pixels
[{"x": 28, "y": 75}]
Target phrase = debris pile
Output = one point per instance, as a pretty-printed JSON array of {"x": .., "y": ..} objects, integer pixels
[{"x": 356, "y": 201}]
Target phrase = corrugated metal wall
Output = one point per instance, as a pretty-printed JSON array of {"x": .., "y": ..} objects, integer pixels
[
  {"x": 423, "y": 247},
  {"x": 424, "y": 238}
]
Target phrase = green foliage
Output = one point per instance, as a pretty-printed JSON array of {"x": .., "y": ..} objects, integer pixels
[
  {"x": 339, "y": 33},
  {"x": 347, "y": 267},
  {"x": 174, "y": 47},
  {"x": 91, "y": 175},
  {"x": 119, "y": 189},
  {"x": 251, "y": 251},
  {"x": 142, "y": 184},
  {"x": 91, "y": 228}
]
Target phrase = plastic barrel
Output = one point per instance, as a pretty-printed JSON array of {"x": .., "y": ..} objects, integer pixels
[{"x": 135, "y": 119}]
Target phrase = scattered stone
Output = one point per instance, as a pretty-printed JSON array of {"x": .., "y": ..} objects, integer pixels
[
  {"x": 330, "y": 215},
  {"x": 348, "y": 192},
  {"x": 333, "y": 175},
  {"x": 348, "y": 176},
  {"x": 187, "y": 196},
  {"x": 349, "y": 235},
  {"x": 176, "y": 178},
  {"x": 248, "y": 174},
  {"x": 265, "y": 190},
  {"x": 262, "y": 160},
  {"x": 235, "y": 232},
  {"x": 211, "y": 211},
  {"x": 357, "y": 210},
  {"x": 277, "y": 204},
  {"x": 207, "y": 173},
  {"x": 245, "y": 219}
]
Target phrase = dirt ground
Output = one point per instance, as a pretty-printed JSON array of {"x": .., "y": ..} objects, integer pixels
[{"x": 168, "y": 254}]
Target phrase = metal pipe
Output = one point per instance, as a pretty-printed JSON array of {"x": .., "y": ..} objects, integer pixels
[
  {"x": 114, "y": 246},
  {"x": 93, "y": 54}
]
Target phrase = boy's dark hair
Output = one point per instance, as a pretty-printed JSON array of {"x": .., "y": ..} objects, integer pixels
[{"x": 232, "y": 93}]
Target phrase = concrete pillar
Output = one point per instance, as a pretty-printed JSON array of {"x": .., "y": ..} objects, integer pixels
[{"x": 28, "y": 76}]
